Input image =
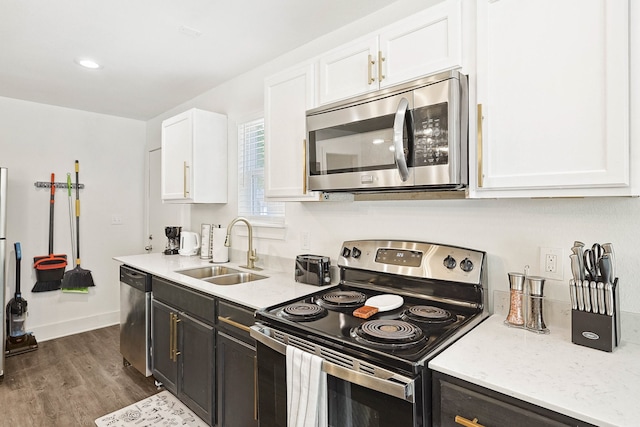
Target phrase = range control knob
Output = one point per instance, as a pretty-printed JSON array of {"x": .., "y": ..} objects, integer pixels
[
  {"x": 346, "y": 252},
  {"x": 355, "y": 252},
  {"x": 449, "y": 262},
  {"x": 466, "y": 265}
]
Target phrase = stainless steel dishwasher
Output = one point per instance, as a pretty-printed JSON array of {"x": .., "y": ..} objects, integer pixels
[{"x": 135, "y": 319}]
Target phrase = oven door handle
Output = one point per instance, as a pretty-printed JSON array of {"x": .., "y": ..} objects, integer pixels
[
  {"x": 402, "y": 115},
  {"x": 385, "y": 381}
]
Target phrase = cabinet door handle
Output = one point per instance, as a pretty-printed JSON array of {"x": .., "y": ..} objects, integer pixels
[
  {"x": 185, "y": 191},
  {"x": 480, "y": 119},
  {"x": 171, "y": 335},
  {"x": 467, "y": 423},
  {"x": 380, "y": 61},
  {"x": 370, "y": 64},
  {"x": 304, "y": 167},
  {"x": 175, "y": 337},
  {"x": 233, "y": 323},
  {"x": 255, "y": 387}
]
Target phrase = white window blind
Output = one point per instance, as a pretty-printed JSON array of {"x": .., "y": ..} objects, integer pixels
[{"x": 251, "y": 202}]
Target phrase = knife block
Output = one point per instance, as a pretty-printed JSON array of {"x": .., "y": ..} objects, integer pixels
[{"x": 595, "y": 330}]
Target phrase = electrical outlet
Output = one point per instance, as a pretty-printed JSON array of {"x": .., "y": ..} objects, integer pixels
[
  {"x": 305, "y": 241},
  {"x": 116, "y": 219},
  {"x": 551, "y": 263}
]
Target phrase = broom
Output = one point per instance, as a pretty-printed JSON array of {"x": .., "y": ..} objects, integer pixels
[
  {"x": 78, "y": 278},
  {"x": 73, "y": 239}
]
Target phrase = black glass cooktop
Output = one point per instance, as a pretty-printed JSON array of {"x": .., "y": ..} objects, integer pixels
[{"x": 401, "y": 336}]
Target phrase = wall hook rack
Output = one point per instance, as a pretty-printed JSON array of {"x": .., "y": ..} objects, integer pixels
[{"x": 42, "y": 184}]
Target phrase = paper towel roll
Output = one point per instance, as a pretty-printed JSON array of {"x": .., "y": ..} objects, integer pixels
[{"x": 219, "y": 252}]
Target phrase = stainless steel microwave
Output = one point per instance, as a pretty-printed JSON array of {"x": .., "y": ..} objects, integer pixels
[{"x": 411, "y": 137}]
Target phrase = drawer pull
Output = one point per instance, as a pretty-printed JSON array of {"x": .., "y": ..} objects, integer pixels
[
  {"x": 467, "y": 423},
  {"x": 233, "y": 323}
]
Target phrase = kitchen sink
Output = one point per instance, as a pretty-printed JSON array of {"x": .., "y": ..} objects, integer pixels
[
  {"x": 235, "y": 279},
  {"x": 207, "y": 272}
]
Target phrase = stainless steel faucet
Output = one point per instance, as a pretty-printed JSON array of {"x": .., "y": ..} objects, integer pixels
[{"x": 251, "y": 253}]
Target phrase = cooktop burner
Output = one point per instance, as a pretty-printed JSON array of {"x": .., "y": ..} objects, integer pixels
[
  {"x": 342, "y": 299},
  {"x": 389, "y": 333},
  {"x": 429, "y": 314},
  {"x": 302, "y": 312}
]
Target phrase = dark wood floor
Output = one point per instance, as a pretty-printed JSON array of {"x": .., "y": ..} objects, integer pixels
[{"x": 70, "y": 382}]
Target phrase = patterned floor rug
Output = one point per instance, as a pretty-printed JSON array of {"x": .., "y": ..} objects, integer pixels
[{"x": 160, "y": 410}]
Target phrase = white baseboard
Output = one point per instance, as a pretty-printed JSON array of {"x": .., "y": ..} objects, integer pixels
[{"x": 75, "y": 326}]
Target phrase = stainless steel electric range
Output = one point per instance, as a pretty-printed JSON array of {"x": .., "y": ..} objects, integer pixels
[{"x": 376, "y": 367}]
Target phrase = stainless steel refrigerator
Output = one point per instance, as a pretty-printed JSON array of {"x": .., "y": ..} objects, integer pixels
[{"x": 3, "y": 261}]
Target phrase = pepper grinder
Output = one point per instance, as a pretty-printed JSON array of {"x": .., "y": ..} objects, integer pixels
[
  {"x": 515, "y": 318},
  {"x": 535, "y": 321}
]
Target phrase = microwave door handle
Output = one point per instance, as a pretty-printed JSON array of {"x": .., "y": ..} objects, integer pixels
[{"x": 402, "y": 115}]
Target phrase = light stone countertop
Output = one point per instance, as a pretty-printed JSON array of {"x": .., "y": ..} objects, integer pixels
[
  {"x": 549, "y": 370},
  {"x": 279, "y": 287}
]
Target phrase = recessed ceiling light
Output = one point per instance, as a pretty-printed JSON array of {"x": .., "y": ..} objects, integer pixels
[
  {"x": 191, "y": 32},
  {"x": 88, "y": 63}
]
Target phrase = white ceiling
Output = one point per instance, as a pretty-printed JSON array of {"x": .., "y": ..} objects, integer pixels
[{"x": 149, "y": 64}]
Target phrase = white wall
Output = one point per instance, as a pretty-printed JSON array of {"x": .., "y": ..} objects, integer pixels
[
  {"x": 38, "y": 139},
  {"x": 511, "y": 231}
]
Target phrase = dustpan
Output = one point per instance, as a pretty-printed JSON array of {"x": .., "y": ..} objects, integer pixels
[{"x": 49, "y": 268}]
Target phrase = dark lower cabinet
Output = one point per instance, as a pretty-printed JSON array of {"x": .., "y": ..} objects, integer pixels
[
  {"x": 237, "y": 368},
  {"x": 196, "y": 370},
  {"x": 457, "y": 402},
  {"x": 237, "y": 403},
  {"x": 203, "y": 353},
  {"x": 164, "y": 368},
  {"x": 183, "y": 346}
]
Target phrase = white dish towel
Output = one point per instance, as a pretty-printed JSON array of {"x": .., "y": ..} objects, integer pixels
[{"x": 306, "y": 390}]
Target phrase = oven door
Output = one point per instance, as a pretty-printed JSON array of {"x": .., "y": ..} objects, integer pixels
[{"x": 355, "y": 399}]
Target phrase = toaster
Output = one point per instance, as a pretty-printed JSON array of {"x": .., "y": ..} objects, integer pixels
[{"x": 313, "y": 270}]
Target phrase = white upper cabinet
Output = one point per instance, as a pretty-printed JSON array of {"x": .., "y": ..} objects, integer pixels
[
  {"x": 553, "y": 98},
  {"x": 425, "y": 43},
  {"x": 349, "y": 70},
  {"x": 194, "y": 158},
  {"x": 287, "y": 97}
]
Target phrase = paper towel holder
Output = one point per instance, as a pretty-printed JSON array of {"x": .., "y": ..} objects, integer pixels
[{"x": 219, "y": 252}]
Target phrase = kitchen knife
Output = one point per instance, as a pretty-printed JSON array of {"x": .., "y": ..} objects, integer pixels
[
  {"x": 608, "y": 298},
  {"x": 594, "y": 296},
  {"x": 580, "y": 252},
  {"x": 605, "y": 267},
  {"x": 587, "y": 295},
  {"x": 580, "y": 295},
  {"x": 608, "y": 250},
  {"x": 572, "y": 294},
  {"x": 575, "y": 267},
  {"x": 601, "y": 304}
]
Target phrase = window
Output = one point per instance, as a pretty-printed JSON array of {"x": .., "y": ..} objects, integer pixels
[{"x": 251, "y": 202}]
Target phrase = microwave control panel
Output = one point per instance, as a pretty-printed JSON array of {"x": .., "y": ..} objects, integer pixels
[{"x": 431, "y": 142}]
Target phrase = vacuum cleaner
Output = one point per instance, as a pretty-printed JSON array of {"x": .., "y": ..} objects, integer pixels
[{"x": 18, "y": 340}]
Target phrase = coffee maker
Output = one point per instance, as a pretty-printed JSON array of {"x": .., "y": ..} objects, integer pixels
[{"x": 173, "y": 240}]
